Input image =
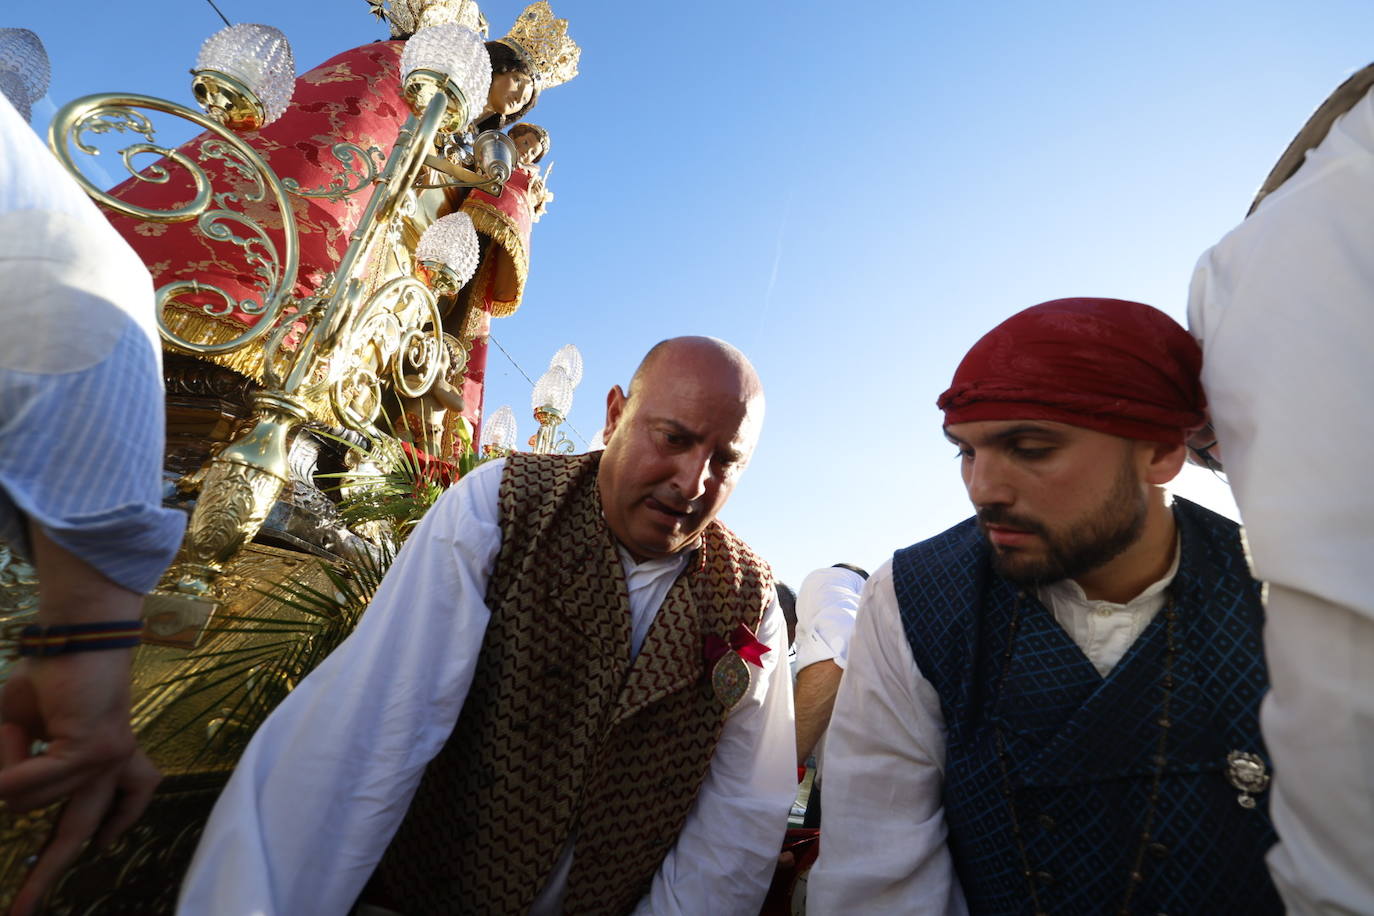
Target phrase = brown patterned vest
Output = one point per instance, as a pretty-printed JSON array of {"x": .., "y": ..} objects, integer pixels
[{"x": 560, "y": 732}]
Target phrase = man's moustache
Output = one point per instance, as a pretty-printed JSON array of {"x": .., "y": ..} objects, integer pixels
[{"x": 996, "y": 515}]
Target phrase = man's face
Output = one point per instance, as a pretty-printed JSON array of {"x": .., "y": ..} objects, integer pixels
[
  {"x": 509, "y": 92},
  {"x": 528, "y": 146},
  {"x": 1054, "y": 501},
  {"x": 675, "y": 448}
]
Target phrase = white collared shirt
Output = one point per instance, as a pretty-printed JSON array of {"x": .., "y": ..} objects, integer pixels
[{"x": 1104, "y": 630}]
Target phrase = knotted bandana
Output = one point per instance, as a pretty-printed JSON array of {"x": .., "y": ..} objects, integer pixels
[{"x": 1109, "y": 365}]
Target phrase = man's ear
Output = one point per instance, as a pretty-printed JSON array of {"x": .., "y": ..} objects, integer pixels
[
  {"x": 615, "y": 408},
  {"x": 1163, "y": 462}
]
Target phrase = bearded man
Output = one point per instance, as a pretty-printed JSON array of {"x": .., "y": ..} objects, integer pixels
[
  {"x": 559, "y": 678},
  {"x": 1052, "y": 707}
]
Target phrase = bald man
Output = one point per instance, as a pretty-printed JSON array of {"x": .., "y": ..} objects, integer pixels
[{"x": 569, "y": 695}]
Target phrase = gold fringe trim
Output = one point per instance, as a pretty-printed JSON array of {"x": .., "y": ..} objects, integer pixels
[
  {"x": 198, "y": 327},
  {"x": 492, "y": 222}
]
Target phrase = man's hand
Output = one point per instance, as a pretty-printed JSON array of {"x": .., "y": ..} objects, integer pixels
[{"x": 79, "y": 705}]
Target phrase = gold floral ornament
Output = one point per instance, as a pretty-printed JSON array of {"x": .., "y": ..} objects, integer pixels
[
  {"x": 406, "y": 17},
  {"x": 542, "y": 42}
]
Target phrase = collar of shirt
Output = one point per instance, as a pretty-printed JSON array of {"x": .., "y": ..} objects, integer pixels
[
  {"x": 1105, "y": 630},
  {"x": 648, "y": 584}
]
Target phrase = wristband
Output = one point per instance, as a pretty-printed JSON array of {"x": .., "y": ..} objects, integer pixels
[{"x": 35, "y": 640}]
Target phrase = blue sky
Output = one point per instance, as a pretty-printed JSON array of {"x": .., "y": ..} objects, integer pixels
[{"x": 852, "y": 194}]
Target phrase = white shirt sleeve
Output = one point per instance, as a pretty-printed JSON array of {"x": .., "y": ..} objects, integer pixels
[
  {"x": 301, "y": 832},
  {"x": 725, "y": 856},
  {"x": 1282, "y": 307},
  {"x": 883, "y": 840},
  {"x": 827, "y": 605}
]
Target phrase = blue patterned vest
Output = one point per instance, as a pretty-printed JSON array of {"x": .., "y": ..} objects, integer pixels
[{"x": 1082, "y": 748}]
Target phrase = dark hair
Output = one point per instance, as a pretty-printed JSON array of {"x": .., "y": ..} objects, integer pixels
[
  {"x": 852, "y": 568},
  {"x": 787, "y": 600},
  {"x": 539, "y": 132},
  {"x": 505, "y": 59}
]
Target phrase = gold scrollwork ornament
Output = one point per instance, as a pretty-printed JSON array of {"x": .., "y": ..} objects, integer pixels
[{"x": 239, "y": 489}]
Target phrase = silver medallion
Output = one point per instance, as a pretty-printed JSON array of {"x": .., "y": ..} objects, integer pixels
[
  {"x": 730, "y": 679},
  {"x": 1246, "y": 771}
]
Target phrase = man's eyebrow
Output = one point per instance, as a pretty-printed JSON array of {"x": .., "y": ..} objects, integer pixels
[
  {"x": 675, "y": 426},
  {"x": 1015, "y": 432},
  {"x": 1027, "y": 429},
  {"x": 730, "y": 455}
]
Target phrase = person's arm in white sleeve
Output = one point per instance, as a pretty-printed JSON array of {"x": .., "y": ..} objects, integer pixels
[
  {"x": 883, "y": 831},
  {"x": 325, "y": 782},
  {"x": 724, "y": 857},
  {"x": 826, "y": 607}
]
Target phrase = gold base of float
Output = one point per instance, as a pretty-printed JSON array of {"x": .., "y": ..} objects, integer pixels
[{"x": 189, "y": 730}]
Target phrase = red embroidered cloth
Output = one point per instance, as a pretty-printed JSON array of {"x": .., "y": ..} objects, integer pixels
[
  {"x": 506, "y": 222},
  {"x": 353, "y": 97}
]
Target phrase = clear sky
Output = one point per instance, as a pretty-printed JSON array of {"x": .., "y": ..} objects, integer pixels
[{"x": 851, "y": 193}]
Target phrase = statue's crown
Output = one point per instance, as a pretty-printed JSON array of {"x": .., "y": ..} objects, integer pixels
[
  {"x": 407, "y": 17},
  {"x": 543, "y": 43}
]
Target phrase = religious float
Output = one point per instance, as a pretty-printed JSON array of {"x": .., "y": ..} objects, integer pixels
[{"x": 328, "y": 253}]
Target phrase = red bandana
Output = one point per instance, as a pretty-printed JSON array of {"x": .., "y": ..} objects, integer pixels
[{"x": 1106, "y": 364}]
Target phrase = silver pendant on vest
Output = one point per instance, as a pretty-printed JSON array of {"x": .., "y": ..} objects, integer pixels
[
  {"x": 1246, "y": 772},
  {"x": 730, "y": 679}
]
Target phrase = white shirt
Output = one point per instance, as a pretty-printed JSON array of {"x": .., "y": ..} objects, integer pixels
[
  {"x": 326, "y": 780},
  {"x": 1284, "y": 309},
  {"x": 827, "y": 604},
  {"x": 884, "y": 824}
]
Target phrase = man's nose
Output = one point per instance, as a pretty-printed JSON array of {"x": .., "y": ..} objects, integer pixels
[
  {"x": 986, "y": 481},
  {"x": 692, "y": 472}
]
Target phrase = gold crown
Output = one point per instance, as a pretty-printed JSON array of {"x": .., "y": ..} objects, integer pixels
[
  {"x": 543, "y": 43},
  {"x": 409, "y": 16}
]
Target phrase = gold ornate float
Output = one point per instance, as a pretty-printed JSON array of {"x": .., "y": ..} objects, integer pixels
[{"x": 315, "y": 284}]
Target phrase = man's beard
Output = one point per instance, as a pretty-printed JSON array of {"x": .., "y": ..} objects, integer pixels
[{"x": 1114, "y": 526}]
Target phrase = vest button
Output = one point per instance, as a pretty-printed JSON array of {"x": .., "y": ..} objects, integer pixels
[{"x": 1045, "y": 821}]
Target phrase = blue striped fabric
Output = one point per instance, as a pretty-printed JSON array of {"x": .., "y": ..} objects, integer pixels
[
  {"x": 81, "y": 456},
  {"x": 81, "y": 401}
]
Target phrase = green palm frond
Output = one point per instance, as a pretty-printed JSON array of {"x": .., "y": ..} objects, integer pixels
[
  {"x": 249, "y": 664},
  {"x": 238, "y": 684}
]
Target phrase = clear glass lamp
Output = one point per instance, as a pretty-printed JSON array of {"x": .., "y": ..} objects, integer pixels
[
  {"x": 24, "y": 68},
  {"x": 451, "y": 59},
  {"x": 448, "y": 252},
  {"x": 553, "y": 391},
  {"x": 244, "y": 76},
  {"x": 569, "y": 358},
  {"x": 498, "y": 432}
]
